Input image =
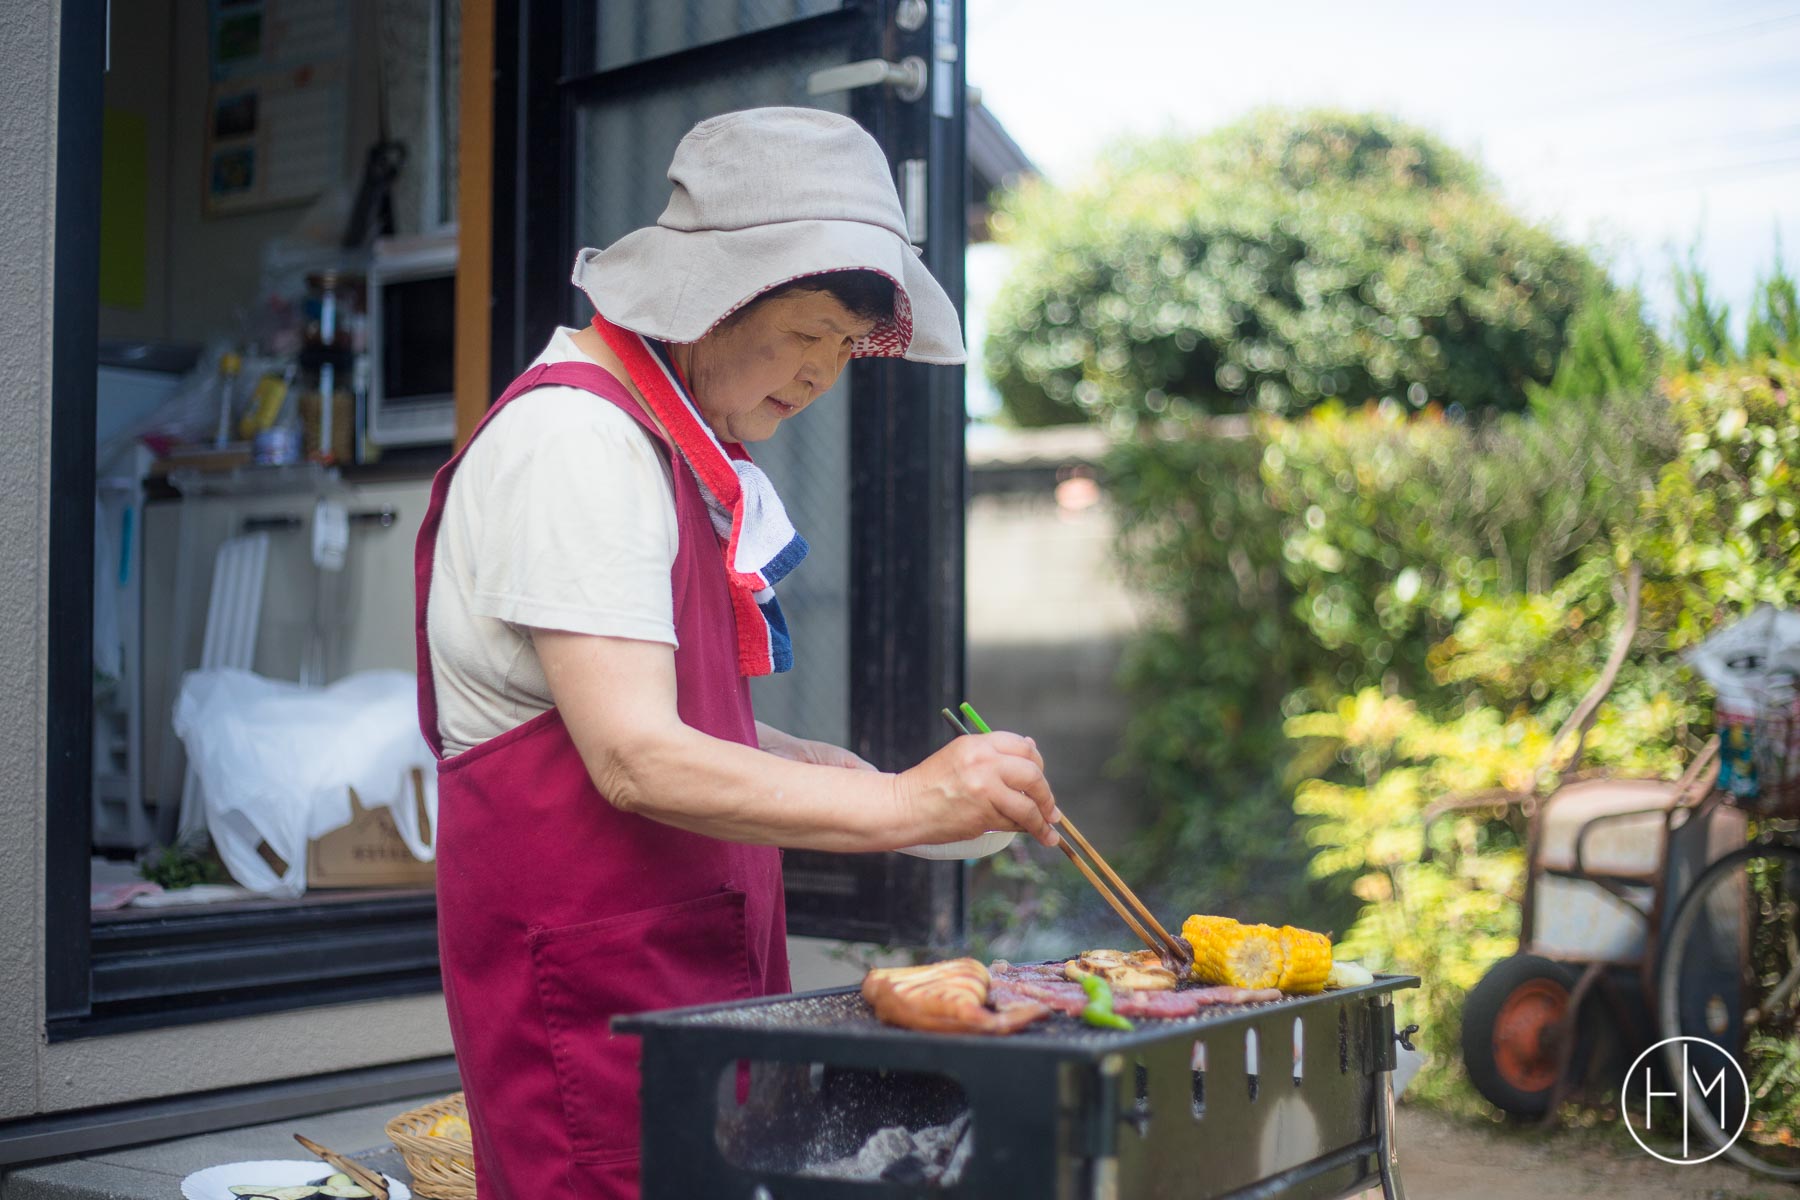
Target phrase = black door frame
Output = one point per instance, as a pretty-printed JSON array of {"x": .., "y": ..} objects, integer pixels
[
  {"x": 74, "y": 361},
  {"x": 908, "y": 475}
]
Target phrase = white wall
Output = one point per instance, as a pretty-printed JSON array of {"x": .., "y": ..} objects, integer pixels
[
  {"x": 201, "y": 272},
  {"x": 1049, "y": 616},
  {"x": 28, "y": 50}
]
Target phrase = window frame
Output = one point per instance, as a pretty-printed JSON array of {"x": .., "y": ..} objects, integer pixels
[{"x": 906, "y": 654}]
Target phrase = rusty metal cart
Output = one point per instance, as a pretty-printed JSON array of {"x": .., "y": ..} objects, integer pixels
[
  {"x": 1728, "y": 969},
  {"x": 1652, "y": 909},
  {"x": 1604, "y": 855}
]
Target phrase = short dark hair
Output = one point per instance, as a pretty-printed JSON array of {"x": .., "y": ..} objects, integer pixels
[{"x": 864, "y": 294}]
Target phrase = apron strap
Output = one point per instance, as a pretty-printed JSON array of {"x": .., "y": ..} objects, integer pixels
[{"x": 589, "y": 377}]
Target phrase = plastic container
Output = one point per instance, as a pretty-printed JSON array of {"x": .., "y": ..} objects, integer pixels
[{"x": 328, "y": 435}]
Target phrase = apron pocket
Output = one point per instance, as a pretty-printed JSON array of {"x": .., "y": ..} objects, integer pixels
[{"x": 693, "y": 952}]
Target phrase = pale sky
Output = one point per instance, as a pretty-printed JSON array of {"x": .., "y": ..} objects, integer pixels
[{"x": 1626, "y": 126}]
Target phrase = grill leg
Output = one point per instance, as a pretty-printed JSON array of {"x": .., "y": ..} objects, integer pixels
[{"x": 1391, "y": 1187}]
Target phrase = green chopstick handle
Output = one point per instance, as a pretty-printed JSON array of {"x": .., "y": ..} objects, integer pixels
[{"x": 968, "y": 710}]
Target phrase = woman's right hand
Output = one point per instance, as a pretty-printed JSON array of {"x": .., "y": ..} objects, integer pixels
[{"x": 975, "y": 784}]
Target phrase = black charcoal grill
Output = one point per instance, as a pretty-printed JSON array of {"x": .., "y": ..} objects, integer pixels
[{"x": 1286, "y": 1099}]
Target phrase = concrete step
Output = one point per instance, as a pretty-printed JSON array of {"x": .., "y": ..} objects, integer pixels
[{"x": 155, "y": 1171}]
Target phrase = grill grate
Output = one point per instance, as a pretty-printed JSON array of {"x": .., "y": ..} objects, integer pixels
[
  {"x": 1282, "y": 1099},
  {"x": 847, "y": 1014}
]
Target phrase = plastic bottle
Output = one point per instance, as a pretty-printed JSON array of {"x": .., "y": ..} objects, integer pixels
[
  {"x": 265, "y": 402},
  {"x": 279, "y": 443},
  {"x": 225, "y": 395}
]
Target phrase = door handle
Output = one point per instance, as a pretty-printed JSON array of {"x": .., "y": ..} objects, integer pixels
[{"x": 908, "y": 77}]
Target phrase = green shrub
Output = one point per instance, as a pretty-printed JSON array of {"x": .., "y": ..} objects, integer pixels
[
  {"x": 1362, "y": 603},
  {"x": 1722, "y": 530},
  {"x": 1450, "y": 918},
  {"x": 1308, "y": 560},
  {"x": 1774, "y": 326},
  {"x": 1278, "y": 263},
  {"x": 1363, "y": 612}
]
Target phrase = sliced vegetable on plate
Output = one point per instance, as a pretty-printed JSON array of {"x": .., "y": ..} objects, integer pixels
[
  {"x": 283, "y": 1179},
  {"x": 332, "y": 1187}
]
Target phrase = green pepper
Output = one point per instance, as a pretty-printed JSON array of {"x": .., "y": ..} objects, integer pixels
[{"x": 1099, "y": 1008}]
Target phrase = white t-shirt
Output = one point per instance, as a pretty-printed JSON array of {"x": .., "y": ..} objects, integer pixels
[{"x": 561, "y": 516}]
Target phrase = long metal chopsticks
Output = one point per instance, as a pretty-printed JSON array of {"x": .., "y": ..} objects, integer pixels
[{"x": 1168, "y": 946}]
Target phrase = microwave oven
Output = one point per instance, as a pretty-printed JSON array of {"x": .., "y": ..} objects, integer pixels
[{"x": 411, "y": 343}]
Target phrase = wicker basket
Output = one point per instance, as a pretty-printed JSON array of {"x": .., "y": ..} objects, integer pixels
[{"x": 443, "y": 1168}]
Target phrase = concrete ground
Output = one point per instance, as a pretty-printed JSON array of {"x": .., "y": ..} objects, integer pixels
[
  {"x": 1441, "y": 1158},
  {"x": 154, "y": 1172},
  {"x": 1446, "y": 1158}
]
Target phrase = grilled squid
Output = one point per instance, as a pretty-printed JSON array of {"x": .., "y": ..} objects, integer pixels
[{"x": 946, "y": 997}]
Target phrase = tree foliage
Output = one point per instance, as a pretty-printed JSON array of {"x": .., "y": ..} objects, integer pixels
[
  {"x": 1702, "y": 321},
  {"x": 1316, "y": 558},
  {"x": 1774, "y": 326},
  {"x": 1367, "y": 611},
  {"x": 1280, "y": 262}
]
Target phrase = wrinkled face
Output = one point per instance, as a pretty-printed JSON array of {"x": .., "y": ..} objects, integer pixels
[{"x": 774, "y": 359}]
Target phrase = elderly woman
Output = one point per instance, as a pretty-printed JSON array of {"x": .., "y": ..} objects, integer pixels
[{"x": 596, "y": 581}]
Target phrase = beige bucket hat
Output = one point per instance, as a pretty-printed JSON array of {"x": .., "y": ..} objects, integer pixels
[{"x": 763, "y": 197}]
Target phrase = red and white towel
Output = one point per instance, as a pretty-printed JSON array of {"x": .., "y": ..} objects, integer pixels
[{"x": 760, "y": 544}]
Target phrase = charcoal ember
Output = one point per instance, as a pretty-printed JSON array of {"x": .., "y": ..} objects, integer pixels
[
  {"x": 938, "y": 1142},
  {"x": 934, "y": 1154},
  {"x": 960, "y": 1154},
  {"x": 881, "y": 1151},
  {"x": 910, "y": 1169}
]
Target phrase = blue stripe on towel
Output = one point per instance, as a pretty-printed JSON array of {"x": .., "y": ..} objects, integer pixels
[
  {"x": 781, "y": 646},
  {"x": 785, "y": 560}
]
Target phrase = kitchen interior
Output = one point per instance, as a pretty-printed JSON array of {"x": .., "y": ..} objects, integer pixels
[{"x": 278, "y": 262}]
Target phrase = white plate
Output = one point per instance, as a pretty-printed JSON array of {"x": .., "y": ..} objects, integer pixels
[
  {"x": 215, "y": 1183},
  {"x": 981, "y": 847}
]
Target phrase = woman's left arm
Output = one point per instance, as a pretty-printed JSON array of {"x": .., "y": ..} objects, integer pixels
[{"x": 823, "y": 754}]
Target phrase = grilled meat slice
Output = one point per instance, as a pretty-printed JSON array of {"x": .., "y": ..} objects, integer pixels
[
  {"x": 946, "y": 997},
  {"x": 1059, "y": 994},
  {"x": 1034, "y": 983},
  {"x": 1185, "y": 1003}
]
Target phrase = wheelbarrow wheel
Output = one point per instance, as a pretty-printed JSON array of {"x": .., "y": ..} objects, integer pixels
[
  {"x": 1509, "y": 1035},
  {"x": 1730, "y": 973}
]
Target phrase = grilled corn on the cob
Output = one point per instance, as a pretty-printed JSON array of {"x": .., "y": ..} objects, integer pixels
[
  {"x": 1257, "y": 956},
  {"x": 1225, "y": 952},
  {"x": 1305, "y": 961}
]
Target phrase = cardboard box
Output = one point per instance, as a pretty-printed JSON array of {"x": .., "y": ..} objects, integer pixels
[{"x": 369, "y": 852}]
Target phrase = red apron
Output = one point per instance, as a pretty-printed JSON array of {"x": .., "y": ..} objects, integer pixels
[{"x": 557, "y": 912}]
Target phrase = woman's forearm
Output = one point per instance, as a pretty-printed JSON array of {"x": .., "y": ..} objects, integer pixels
[
  {"x": 617, "y": 698},
  {"x": 687, "y": 779},
  {"x": 822, "y": 754}
]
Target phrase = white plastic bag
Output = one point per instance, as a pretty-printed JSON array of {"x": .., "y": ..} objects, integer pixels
[{"x": 277, "y": 762}]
